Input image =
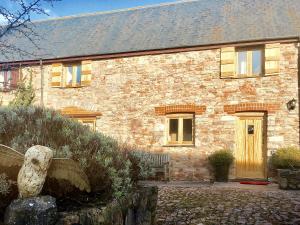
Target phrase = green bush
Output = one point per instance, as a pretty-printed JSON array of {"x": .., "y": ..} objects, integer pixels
[
  {"x": 220, "y": 162},
  {"x": 8, "y": 192},
  {"x": 5, "y": 184},
  {"x": 141, "y": 165},
  {"x": 107, "y": 167},
  {"x": 286, "y": 158},
  {"x": 24, "y": 94}
]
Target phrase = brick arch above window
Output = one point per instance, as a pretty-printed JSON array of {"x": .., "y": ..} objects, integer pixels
[
  {"x": 251, "y": 106},
  {"x": 76, "y": 112},
  {"x": 86, "y": 117},
  {"x": 189, "y": 108}
]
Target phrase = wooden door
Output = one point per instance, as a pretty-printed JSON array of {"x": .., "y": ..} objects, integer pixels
[{"x": 249, "y": 155}]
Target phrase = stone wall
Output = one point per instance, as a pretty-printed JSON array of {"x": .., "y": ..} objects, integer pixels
[
  {"x": 289, "y": 179},
  {"x": 136, "y": 209},
  {"x": 127, "y": 90}
]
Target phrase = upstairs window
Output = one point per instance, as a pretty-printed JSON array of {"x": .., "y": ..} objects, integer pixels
[
  {"x": 9, "y": 79},
  {"x": 180, "y": 129},
  {"x": 249, "y": 62},
  {"x": 73, "y": 75}
]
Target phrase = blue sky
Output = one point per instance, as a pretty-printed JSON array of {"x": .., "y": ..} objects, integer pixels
[{"x": 72, "y": 7}]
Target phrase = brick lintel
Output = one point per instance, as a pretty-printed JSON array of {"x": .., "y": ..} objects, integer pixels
[
  {"x": 253, "y": 106},
  {"x": 189, "y": 108}
]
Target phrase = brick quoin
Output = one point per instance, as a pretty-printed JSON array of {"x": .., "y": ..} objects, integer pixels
[
  {"x": 242, "y": 107},
  {"x": 163, "y": 110}
]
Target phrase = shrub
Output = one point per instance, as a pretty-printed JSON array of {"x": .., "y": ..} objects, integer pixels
[
  {"x": 108, "y": 168},
  {"x": 5, "y": 185},
  {"x": 141, "y": 166},
  {"x": 286, "y": 158},
  {"x": 220, "y": 162},
  {"x": 8, "y": 192},
  {"x": 24, "y": 94}
]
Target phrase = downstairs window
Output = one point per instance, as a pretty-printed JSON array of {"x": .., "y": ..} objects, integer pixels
[
  {"x": 90, "y": 123},
  {"x": 180, "y": 129}
]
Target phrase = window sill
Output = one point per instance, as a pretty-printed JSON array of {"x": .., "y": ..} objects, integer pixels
[
  {"x": 249, "y": 76},
  {"x": 70, "y": 87},
  {"x": 7, "y": 89},
  {"x": 179, "y": 145},
  {"x": 245, "y": 77}
]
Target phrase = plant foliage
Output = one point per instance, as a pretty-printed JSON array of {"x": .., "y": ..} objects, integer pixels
[
  {"x": 5, "y": 184},
  {"x": 221, "y": 158},
  {"x": 24, "y": 95},
  {"x": 220, "y": 162},
  {"x": 107, "y": 166},
  {"x": 142, "y": 167},
  {"x": 286, "y": 158}
]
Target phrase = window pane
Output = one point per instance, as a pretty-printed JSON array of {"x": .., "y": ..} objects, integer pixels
[
  {"x": 1, "y": 76},
  {"x": 69, "y": 74},
  {"x": 242, "y": 63},
  {"x": 8, "y": 77},
  {"x": 173, "y": 130},
  {"x": 2, "y": 79},
  {"x": 256, "y": 62},
  {"x": 89, "y": 124},
  {"x": 14, "y": 78},
  {"x": 78, "y": 74},
  {"x": 187, "y": 129}
]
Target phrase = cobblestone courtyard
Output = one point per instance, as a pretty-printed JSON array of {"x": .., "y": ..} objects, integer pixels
[{"x": 226, "y": 204}]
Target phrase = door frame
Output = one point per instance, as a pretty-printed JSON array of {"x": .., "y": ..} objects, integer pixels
[{"x": 254, "y": 115}]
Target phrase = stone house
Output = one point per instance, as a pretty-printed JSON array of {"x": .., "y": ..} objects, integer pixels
[{"x": 184, "y": 78}]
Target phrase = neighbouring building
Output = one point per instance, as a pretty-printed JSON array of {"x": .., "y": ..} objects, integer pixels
[{"x": 184, "y": 78}]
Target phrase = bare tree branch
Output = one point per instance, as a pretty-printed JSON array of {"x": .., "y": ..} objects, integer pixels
[{"x": 18, "y": 24}]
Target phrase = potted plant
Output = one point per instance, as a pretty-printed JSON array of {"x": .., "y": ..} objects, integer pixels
[
  {"x": 220, "y": 162},
  {"x": 287, "y": 162}
]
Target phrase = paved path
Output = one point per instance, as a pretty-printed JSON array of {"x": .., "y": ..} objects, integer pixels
[{"x": 232, "y": 203}]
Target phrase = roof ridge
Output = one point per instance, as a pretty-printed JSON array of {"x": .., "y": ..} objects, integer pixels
[{"x": 114, "y": 11}]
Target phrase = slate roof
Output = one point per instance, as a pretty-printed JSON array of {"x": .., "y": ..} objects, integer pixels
[{"x": 180, "y": 24}]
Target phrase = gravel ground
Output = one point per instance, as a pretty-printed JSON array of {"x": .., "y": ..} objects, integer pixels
[{"x": 198, "y": 204}]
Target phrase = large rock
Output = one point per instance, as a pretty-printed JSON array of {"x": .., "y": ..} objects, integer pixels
[
  {"x": 32, "y": 211},
  {"x": 33, "y": 173}
]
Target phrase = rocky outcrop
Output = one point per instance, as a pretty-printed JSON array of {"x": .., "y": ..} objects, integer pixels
[
  {"x": 289, "y": 179},
  {"x": 32, "y": 211},
  {"x": 138, "y": 208}
]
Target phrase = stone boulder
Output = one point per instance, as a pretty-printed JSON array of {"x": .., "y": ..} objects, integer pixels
[
  {"x": 33, "y": 173},
  {"x": 32, "y": 211}
]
